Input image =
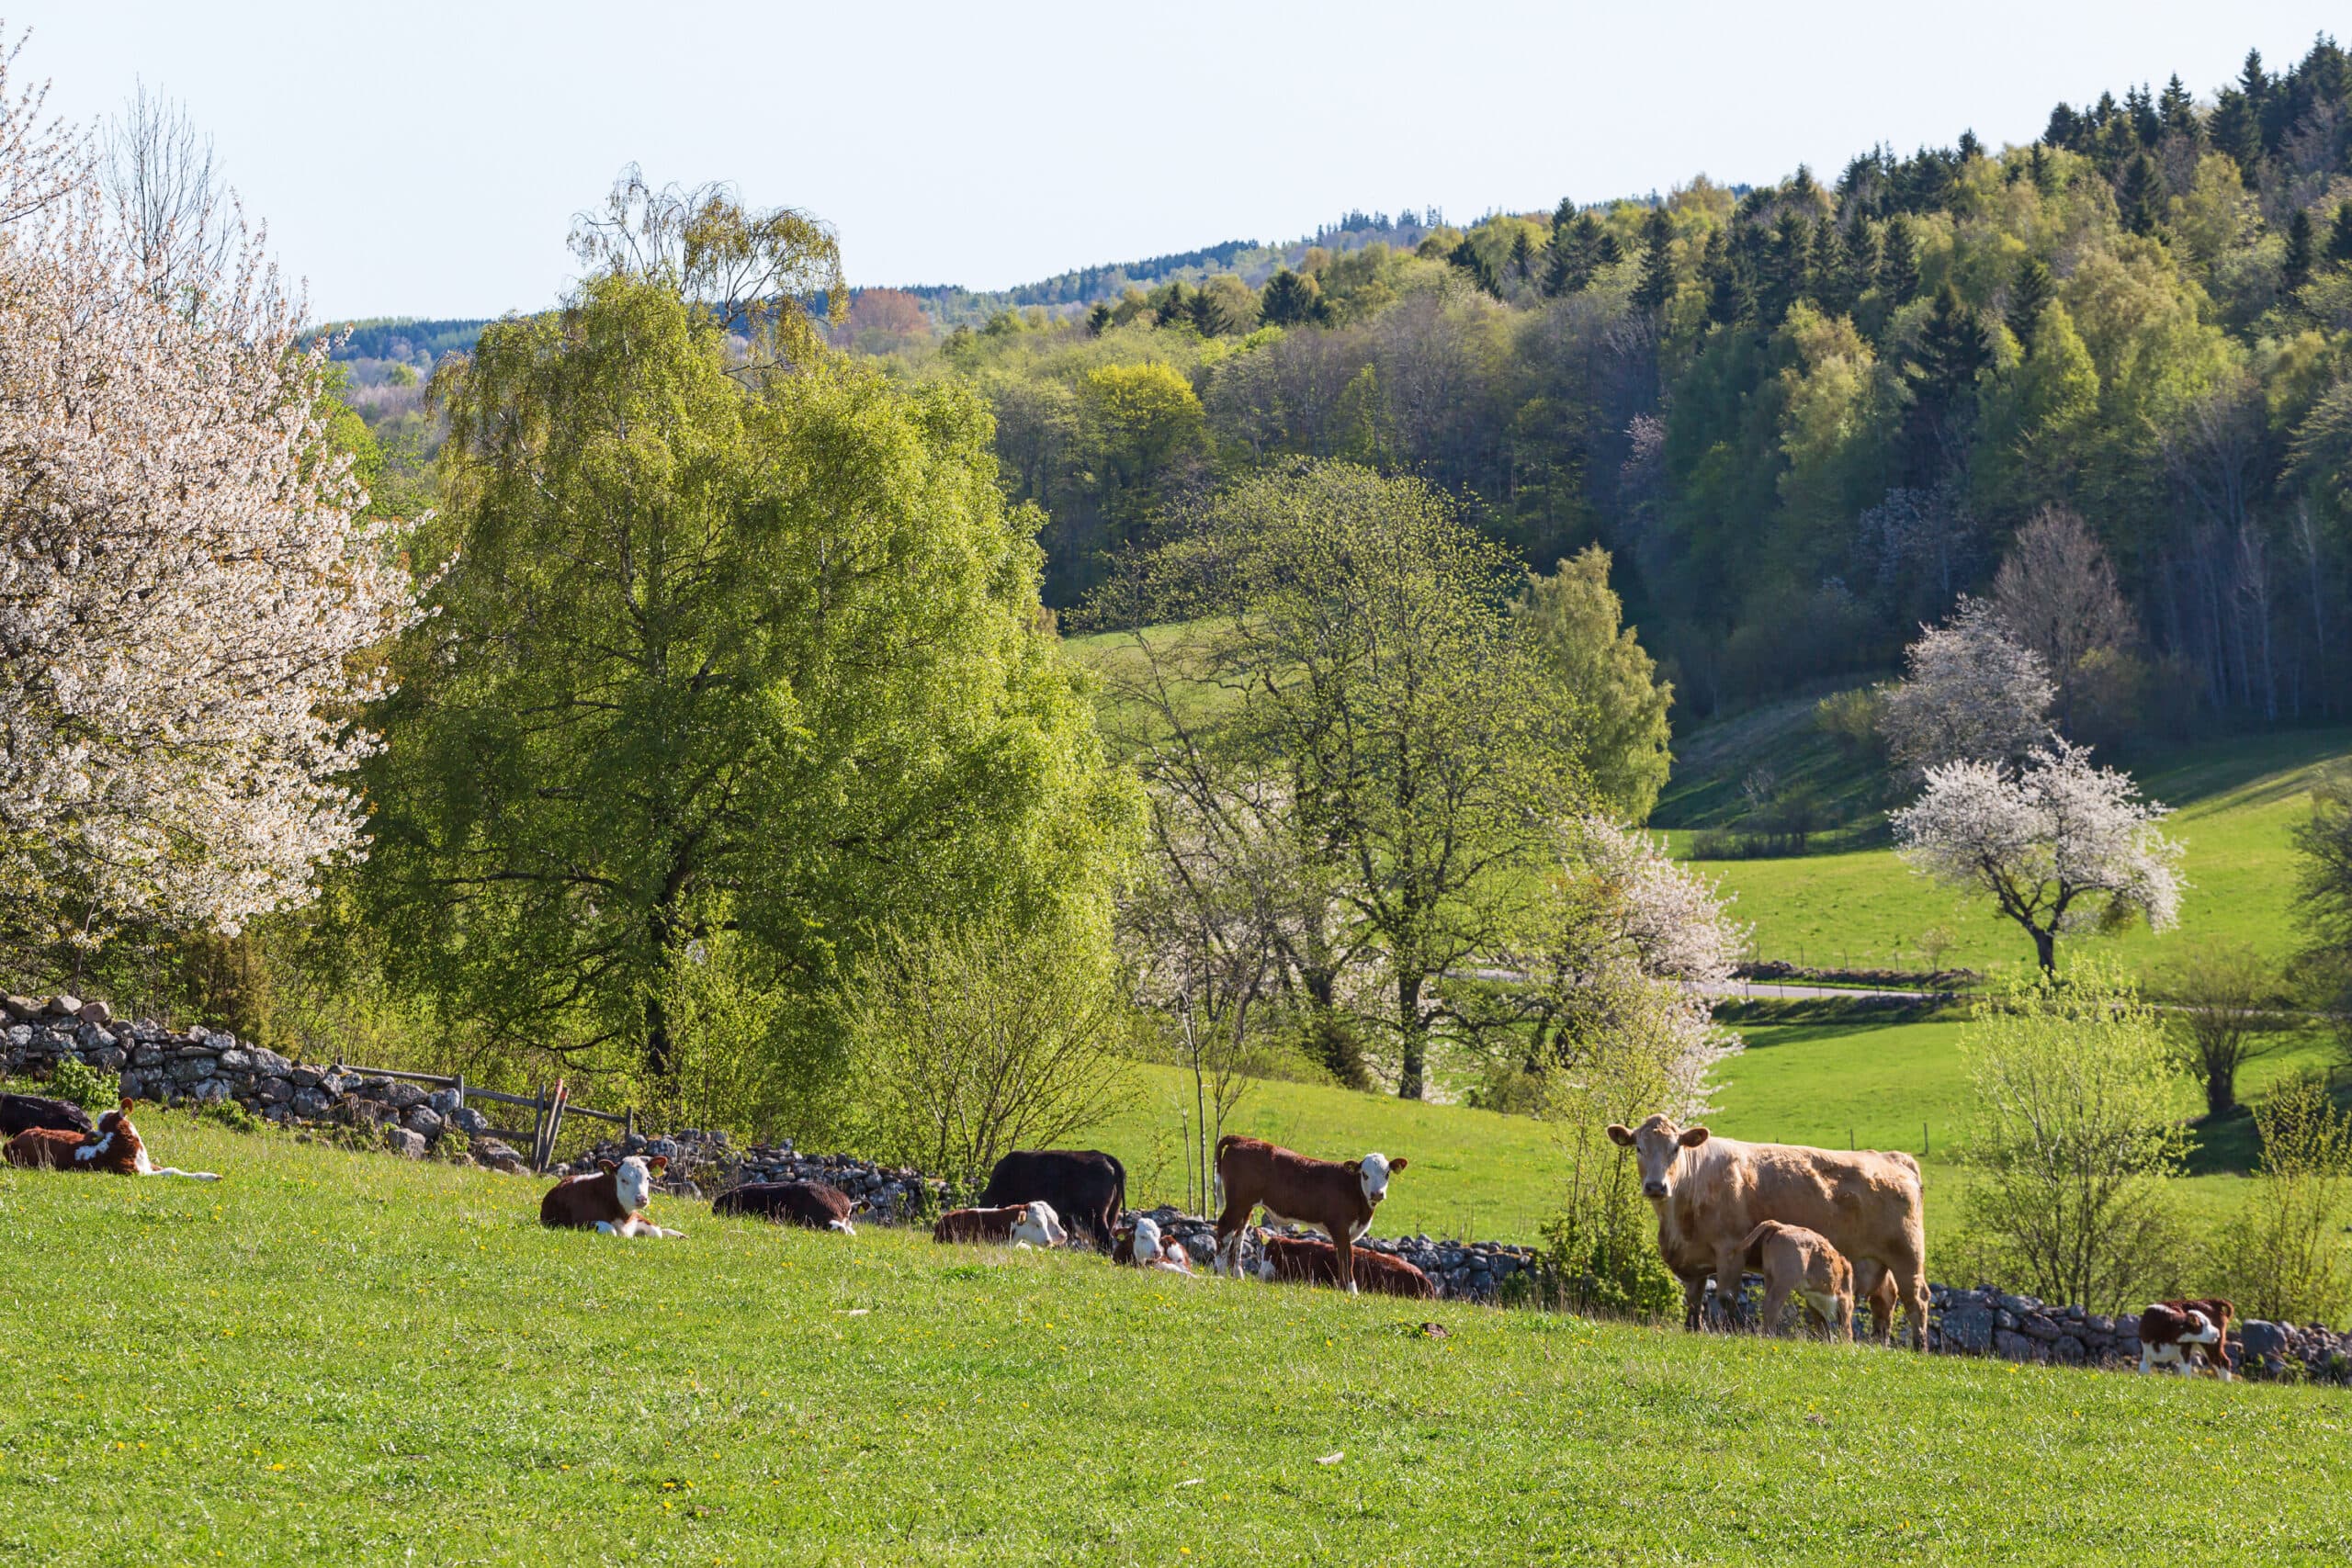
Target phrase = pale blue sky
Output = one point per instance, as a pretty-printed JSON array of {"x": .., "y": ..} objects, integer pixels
[{"x": 426, "y": 158}]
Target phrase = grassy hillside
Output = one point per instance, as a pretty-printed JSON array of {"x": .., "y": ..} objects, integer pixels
[
  {"x": 334, "y": 1357},
  {"x": 2235, "y": 802}
]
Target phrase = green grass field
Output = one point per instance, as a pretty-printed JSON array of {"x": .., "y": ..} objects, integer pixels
[
  {"x": 2235, "y": 804},
  {"x": 340, "y": 1358}
]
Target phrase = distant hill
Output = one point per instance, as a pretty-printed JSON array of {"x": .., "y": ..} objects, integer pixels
[{"x": 408, "y": 339}]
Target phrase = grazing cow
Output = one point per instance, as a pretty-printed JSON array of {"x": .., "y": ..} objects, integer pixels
[
  {"x": 1797, "y": 1261},
  {"x": 2171, "y": 1331},
  {"x": 610, "y": 1201},
  {"x": 1146, "y": 1249},
  {"x": 1086, "y": 1186},
  {"x": 1711, "y": 1193},
  {"x": 1306, "y": 1261},
  {"x": 24, "y": 1112},
  {"x": 113, "y": 1148},
  {"x": 1030, "y": 1225},
  {"x": 813, "y": 1204},
  {"x": 1335, "y": 1198}
]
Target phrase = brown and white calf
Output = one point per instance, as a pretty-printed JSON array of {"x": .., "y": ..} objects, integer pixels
[
  {"x": 2171, "y": 1332},
  {"x": 1019, "y": 1225},
  {"x": 1797, "y": 1262},
  {"x": 1306, "y": 1261},
  {"x": 114, "y": 1148},
  {"x": 1335, "y": 1198},
  {"x": 1143, "y": 1247},
  {"x": 609, "y": 1201},
  {"x": 817, "y": 1205}
]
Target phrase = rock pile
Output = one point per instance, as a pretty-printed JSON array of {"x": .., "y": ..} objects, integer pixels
[
  {"x": 1987, "y": 1321},
  {"x": 199, "y": 1067}
]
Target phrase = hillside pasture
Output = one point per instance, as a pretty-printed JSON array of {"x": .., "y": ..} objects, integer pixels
[{"x": 341, "y": 1356}]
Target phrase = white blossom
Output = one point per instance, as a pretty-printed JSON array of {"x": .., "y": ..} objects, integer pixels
[
  {"x": 187, "y": 595},
  {"x": 2062, "y": 846},
  {"x": 1970, "y": 693}
]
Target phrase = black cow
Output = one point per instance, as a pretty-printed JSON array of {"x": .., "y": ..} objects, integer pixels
[
  {"x": 31, "y": 1113},
  {"x": 815, "y": 1205},
  {"x": 1086, "y": 1187}
]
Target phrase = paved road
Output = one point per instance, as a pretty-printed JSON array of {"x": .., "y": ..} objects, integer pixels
[{"x": 1773, "y": 989}]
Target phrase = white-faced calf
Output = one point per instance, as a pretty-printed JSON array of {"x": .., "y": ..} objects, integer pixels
[
  {"x": 1334, "y": 1196},
  {"x": 114, "y": 1148},
  {"x": 2171, "y": 1332},
  {"x": 609, "y": 1201},
  {"x": 1033, "y": 1224}
]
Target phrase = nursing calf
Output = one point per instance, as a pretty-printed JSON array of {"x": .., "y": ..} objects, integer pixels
[
  {"x": 1796, "y": 1262},
  {"x": 1334, "y": 1196},
  {"x": 1711, "y": 1193},
  {"x": 610, "y": 1201},
  {"x": 114, "y": 1147}
]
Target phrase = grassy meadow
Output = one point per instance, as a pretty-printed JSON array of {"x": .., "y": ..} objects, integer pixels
[{"x": 331, "y": 1357}]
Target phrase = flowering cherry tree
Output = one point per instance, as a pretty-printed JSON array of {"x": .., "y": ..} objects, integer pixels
[
  {"x": 2061, "y": 845},
  {"x": 188, "y": 595},
  {"x": 1970, "y": 693}
]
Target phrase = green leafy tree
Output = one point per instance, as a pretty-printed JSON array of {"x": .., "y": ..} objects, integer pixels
[
  {"x": 2074, "y": 1138},
  {"x": 725, "y": 652},
  {"x": 1573, "y": 620},
  {"x": 1359, "y": 632}
]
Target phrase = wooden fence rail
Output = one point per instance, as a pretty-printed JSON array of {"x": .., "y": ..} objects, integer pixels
[{"x": 549, "y": 1107}]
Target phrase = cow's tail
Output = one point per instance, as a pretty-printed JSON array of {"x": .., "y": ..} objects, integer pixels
[
  {"x": 1751, "y": 1251},
  {"x": 1118, "y": 1204}
]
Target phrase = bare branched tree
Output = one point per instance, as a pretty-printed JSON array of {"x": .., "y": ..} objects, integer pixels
[
  {"x": 2056, "y": 594},
  {"x": 165, "y": 182}
]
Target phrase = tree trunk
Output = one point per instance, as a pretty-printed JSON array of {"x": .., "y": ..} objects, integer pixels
[
  {"x": 2221, "y": 1090},
  {"x": 2045, "y": 951},
  {"x": 1415, "y": 1036},
  {"x": 661, "y": 1056}
]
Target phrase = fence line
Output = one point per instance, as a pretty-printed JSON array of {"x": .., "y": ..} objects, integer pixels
[{"x": 549, "y": 1107}]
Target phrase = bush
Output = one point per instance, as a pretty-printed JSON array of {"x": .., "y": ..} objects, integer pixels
[
  {"x": 967, "y": 1045},
  {"x": 2074, "y": 1137},
  {"x": 230, "y": 1114},
  {"x": 2283, "y": 1256},
  {"x": 73, "y": 1079}
]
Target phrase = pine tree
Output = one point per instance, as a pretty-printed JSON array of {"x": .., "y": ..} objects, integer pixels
[
  {"x": 1831, "y": 267},
  {"x": 1861, "y": 248},
  {"x": 1898, "y": 263},
  {"x": 1727, "y": 298},
  {"x": 1098, "y": 320},
  {"x": 1522, "y": 257},
  {"x": 1655, "y": 287},
  {"x": 1940, "y": 375},
  {"x": 2339, "y": 240},
  {"x": 1466, "y": 257},
  {"x": 2177, "y": 107},
  {"x": 2297, "y": 270},
  {"x": 2146, "y": 129},
  {"x": 1292, "y": 300},
  {"x": 2044, "y": 174},
  {"x": 1788, "y": 267},
  {"x": 1173, "y": 307},
  {"x": 2030, "y": 291},
  {"x": 2237, "y": 130},
  {"x": 2140, "y": 195}
]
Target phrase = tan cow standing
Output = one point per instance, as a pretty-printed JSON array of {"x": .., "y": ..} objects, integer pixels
[{"x": 1711, "y": 1192}]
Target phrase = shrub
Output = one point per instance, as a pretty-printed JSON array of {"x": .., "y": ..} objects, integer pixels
[
  {"x": 968, "y": 1044},
  {"x": 74, "y": 1080},
  {"x": 2283, "y": 1256},
  {"x": 230, "y": 1114},
  {"x": 2072, "y": 1138}
]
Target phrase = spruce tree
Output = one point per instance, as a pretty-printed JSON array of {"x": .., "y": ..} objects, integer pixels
[
  {"x": 1898, "y": 263},
  {"x": 1727, "y": 297},
  {"x": 1292, "y": 300},
  {"x": 2339, "y": 241},
  {"x": 2177, "y": 107},
  {"x": 1098, "y": 320},
  {"x": 1466, "y": 257},
  {"x": 2029, "y": 292},
  {"x": 2140, "y": 195},
  {"x": 2297, "y": 271},
  {"x": 1522, "y": 257},
  {"x": 1655, "y": 287}
]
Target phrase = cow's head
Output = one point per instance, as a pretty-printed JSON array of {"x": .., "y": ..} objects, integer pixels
[
  {"x": 1374, "y": 1170},
  {"x": 117, "y": 1138},
  {"x": 1658, "y": 1144},
  {"x": 633, "y": 1179},
  {"x": 1144, "y": 1245},
  {"x": 1040, "y": 1226}
]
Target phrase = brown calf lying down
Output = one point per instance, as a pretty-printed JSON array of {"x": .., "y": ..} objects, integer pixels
[
  {"x": 1334, "y": 1196},
  {"x": 114, "y": 1148},
  {"x": 1306, "y": 1261},
  {"x": 1709, "y": 1193},
  {"x": 1797, "y": 1261},
  {"x": 610, "y": 1201},
  {"x": 2170, "y": 1333},
  {"x": 1030, "y": 1225},
  {"x": 24, "y": 1112},
  {"x": 815, "y": 1205}
]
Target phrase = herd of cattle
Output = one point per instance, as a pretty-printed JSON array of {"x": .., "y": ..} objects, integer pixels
[{"x": 1826, "y": 1229}]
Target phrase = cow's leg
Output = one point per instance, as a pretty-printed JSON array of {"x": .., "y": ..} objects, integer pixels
[
  {"x": 1776, "y": 1301},
  {"x": 1343, "y": 1244},
  {"x": 1728, "y": 1264},
  {"x": 1912, "y": 1286},
  {"x": 183, "y": 1175},
  {"x": 1695, "y": 1292},
  {"x": 1232, "y": 1224},
  {"x": 1869, "y": 1275}
]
